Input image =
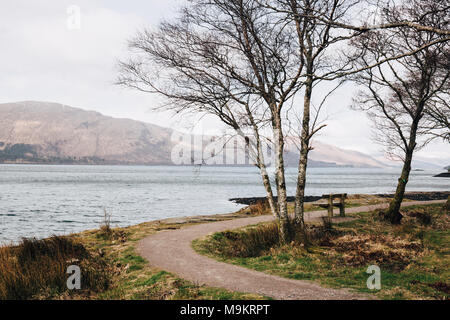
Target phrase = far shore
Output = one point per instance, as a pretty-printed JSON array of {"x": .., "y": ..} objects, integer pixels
[
  {"x": 170, "y": 164},
  {"x": 414, "y": 196},
  {"x": 443, "y": 175}
]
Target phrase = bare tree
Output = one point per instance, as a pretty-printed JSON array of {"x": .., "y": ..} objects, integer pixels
[
  {"x": 230, "y": 59},
  {"x": 405, "y": 22},
  {"x": 400, "y": 93},
  {"x": 438, "y": 114},
  {"x": 322, "y": 42},
  {"x": 244, "y": 62}
]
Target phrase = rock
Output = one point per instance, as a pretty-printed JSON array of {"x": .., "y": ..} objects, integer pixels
[{"x": 443, "y": 175}]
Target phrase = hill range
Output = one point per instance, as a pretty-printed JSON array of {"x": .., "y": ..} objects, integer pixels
[{"x": 44, "y": 132}]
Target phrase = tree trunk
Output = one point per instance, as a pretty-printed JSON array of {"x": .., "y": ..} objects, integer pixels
[
  {"x": 261, "y": 163},
  {"x": 268, "y": 187},
  {"x": 393, "y": 214},
  {"x": 299, "y": 207},
  {"x": 284, "y": 221}
]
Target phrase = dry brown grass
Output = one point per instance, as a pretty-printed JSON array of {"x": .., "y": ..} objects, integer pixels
[
  {"x": 38, "y": 268},
  {"x": 447, "y": 205},
  {"x": 259, "y": 208},
  {"x": 384, "y": 251},
  {"x": 248, "y": 243}
]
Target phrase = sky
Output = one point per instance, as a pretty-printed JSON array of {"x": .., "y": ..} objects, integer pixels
[{"x": 44, "y": 56}]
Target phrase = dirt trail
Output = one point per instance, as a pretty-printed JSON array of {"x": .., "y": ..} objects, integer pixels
[{"x": 171, "y": 251}]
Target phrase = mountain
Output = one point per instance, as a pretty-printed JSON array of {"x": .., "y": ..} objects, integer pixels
[
  {"x": 43, "y": 132},
  {"x": 342, "y": 157},
  {"x": 50, "y": 132}
]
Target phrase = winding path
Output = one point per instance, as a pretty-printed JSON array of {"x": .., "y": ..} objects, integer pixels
[{"x": 171, "y": 251}]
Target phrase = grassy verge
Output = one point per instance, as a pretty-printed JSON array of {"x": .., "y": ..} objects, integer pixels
[
  {"x": 110, "y": 267},
  {"x": 413, "y": 257},
  {"x": 135, "y": 279}
]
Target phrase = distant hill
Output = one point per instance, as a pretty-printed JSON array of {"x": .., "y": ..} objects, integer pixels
[
  {"x": 42, "y": 132},
  {"x": 343, "y": 157},
  {"x": 49, "y": 132}
]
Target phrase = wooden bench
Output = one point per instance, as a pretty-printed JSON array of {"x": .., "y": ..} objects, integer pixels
[{"x": 330, "y": 204}]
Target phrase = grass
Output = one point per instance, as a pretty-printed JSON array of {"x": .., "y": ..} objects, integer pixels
[
  {"x": 134, "y": 279},
  {"x": 37, "y": 269},
  {"x": 413, "y": 257},
  {"x": 250, "y": 243},
  {"x": 110, "y": 267},
  {"x": 355, "y": 200}
]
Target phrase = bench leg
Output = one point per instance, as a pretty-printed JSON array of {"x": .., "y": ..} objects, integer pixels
[
  {"x": 330, "y": 207},
  {"x": 342, "y": 207},
  {"x": 342, "y": 210}
]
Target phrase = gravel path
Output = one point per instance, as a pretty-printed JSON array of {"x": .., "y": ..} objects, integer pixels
[{"x": 171, "y": 251}]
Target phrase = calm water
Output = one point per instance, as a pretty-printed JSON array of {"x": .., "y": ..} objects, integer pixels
[{"x": 38, "y": 201}]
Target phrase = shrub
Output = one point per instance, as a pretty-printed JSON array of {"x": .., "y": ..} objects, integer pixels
[
  {"x": 247, "y": 243},
  {"x": 105, "y": 227},
  {"x": 107, "y": 233},
  {"x": 259, "y": 208},
  {"x": 38, "y": 267},
  {"x": 255, "y": 241}
]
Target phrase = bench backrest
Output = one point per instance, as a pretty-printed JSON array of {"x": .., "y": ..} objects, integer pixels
[{"x": 335, "y": 196}]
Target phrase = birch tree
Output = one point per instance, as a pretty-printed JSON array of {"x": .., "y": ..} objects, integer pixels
[
  {"x": 244, "y": 62},
  {"x": 230, "y": 59},
  {"x": 399, "y": 94}
]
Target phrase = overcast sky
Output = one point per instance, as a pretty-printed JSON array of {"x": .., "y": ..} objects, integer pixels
[{"x": 42, "y": 59}]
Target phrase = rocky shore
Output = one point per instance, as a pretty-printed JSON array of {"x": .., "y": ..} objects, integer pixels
[
  {"x": 422, "y": 196},
  {"x": 253, "y": 200},
  {"x": 415, "y": 196},
  {"x": 443, "y": 175}
]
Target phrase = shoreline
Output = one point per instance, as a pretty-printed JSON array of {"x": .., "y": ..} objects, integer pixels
[
  {"x": 246, "y": 211},
  {"x": 133, "y": 277},
  {"x": 413, "y": 195},
  {"x": 443, "y": 175}
]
